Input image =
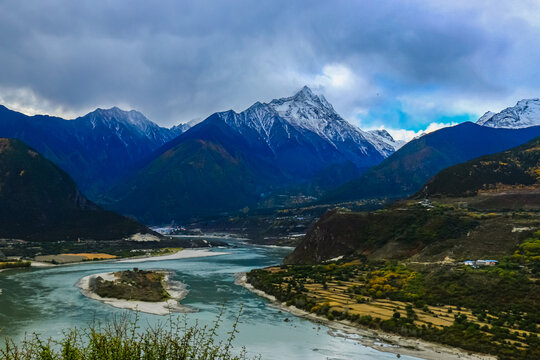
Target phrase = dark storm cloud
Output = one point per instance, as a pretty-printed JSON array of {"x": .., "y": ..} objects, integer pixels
[{"x": 178, "y": 60}]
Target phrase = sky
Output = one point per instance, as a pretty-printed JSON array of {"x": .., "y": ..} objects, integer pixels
[{"x": 405, "y": 66}]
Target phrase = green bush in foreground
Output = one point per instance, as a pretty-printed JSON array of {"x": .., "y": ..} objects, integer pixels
[{"x": 123, "y": 340}]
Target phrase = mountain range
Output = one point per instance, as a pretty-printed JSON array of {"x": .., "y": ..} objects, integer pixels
[
  {"x": 283, "y": 152},
  {"x": 474, "y": 209},
  {"x": 404, "y": 172},
  {"x": 97, "y": 149},
  {"x": 241, "y": 158},
  {"x": 231, "y": 160},
  {"x": 298, "y": 136},
  {"x": 41, "y": 202}
]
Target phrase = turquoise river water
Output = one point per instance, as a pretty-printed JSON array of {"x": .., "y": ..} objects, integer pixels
[{"x": 46, "y": 301}]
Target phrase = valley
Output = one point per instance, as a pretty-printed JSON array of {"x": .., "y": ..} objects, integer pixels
[
  {"x": 457, "y": 263},
  {"x": 420, "y": 283},
  {"x": 46, "y": 300},
  {"x": 434, "y": 240},
  {"x": 270, "y": 180}
]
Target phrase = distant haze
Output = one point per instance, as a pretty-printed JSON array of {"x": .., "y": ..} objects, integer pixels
[{"x": 403, "y": 66}]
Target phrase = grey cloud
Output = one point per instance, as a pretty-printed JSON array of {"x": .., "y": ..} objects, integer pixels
[{"x": 178, "y": 60}]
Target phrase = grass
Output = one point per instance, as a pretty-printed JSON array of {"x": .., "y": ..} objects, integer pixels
[{"x": 122, "y": 339}]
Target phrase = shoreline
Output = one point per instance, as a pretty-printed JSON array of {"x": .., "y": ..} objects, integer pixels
[
  {"x": 182, "y": 254},
  {"x": 176, "y": 289},
  {"x": 375, "y": 339},
  {"x": 189, "y": 254},
  {"x": 211, "y": 236}
]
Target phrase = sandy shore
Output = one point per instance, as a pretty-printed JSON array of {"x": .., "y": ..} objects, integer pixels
[
  {"x": 34, "y": 263},
  {"x": 377, "y": 340},
  {"x": 182, "y": 254},
  {"x": 212, "y": 236},
  {"x": 176, "y": 289}
]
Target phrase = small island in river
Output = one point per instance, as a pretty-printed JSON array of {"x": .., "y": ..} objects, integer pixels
[
  {"x": 149, "y": 291},
  {"x": 141, "y": 285}
]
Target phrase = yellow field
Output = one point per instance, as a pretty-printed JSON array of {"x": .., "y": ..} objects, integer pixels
[
  {"x": 338, "y": 299},
  {"x": 337, "y": 296}
]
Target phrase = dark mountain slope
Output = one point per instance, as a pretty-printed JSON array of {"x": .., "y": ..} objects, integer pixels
[
  {"x": 39, "y": 201},
  {"x": 267, "y": 153},
  {"x": 192, "y": 179},
  {"x": 96, "y": 149},
  {"x": 404, "y": 172},
  {"x": 415, "y": 232}
]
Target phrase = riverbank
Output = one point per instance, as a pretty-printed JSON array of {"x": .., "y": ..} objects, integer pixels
[
  {"x": 175, "y": 289},
  {"x": 182, "y": 254},
  {"x": 210, "y": 236},
  {"x": 377, "y": 340}
]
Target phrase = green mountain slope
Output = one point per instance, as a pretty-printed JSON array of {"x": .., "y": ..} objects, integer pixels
[
  {"x": 515, "y": 169},
  {"x": 191, "y": 179},
  {"x": 39, "y": 201}
]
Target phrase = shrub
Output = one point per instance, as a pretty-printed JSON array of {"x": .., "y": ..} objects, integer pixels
[{"x": 122, "y": 340}]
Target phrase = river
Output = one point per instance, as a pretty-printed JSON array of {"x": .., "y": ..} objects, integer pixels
[{"x": 46, "y": 301}]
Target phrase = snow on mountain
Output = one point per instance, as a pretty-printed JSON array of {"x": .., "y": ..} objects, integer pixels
[
  {"x": 485, "y": 118},
  {"x": 96, "y": 149},
  {"x": 524, "y": 114},
  {"x": 183, "y": 127},
  {"x": 179, "y": 129},
  {"x": 310, "y": 114},
  {"x": 379, "y": 137},
  {"x": 122, "y": 122}
]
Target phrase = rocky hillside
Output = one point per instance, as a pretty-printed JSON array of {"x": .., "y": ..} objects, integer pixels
[{"x": 415, "y": 232}]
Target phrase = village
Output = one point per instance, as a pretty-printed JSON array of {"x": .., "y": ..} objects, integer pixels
[{"x": 479, "y": 263}]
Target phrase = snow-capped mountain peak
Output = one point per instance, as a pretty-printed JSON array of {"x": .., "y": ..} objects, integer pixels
[
  {"x": 485, "y": 118},
  {"x": 305, "y": 95},
  {"x": 126, "y": 124},
  {"x": 114, "y": 116},
  {"x": 307, "y": 113},
  {"x": 383, "y": 133},
  {"x": 525, "y": 113},
  {"x": 384, "y": 142}
]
